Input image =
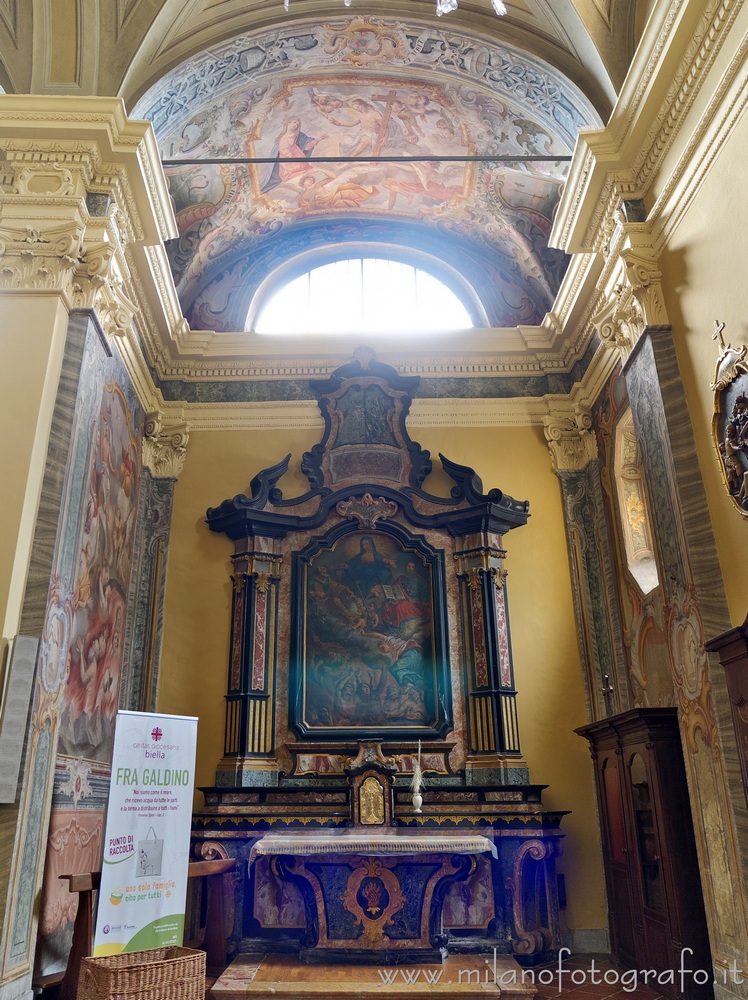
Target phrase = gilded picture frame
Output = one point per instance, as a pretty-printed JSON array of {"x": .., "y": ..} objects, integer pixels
[{"x": 730, "y": 420}]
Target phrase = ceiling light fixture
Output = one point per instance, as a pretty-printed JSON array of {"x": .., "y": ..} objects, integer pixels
[
  {"x": 446, "y": 6},
  {"x": 442, "y": 6}
]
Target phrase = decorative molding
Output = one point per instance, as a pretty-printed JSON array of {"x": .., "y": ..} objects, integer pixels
[
  {"x": 486, "y": 559},
  {"x": 714, "y": 128},
  {"x": 366, "y": 510},
  {"x": 707, "y": 39},
  {"x": 115, "y": 310},
  {"x": 620, "y": 162},
  {"x": 81, "y": 208},
  {"x": 165, "y": 445},
  {"x": 618, "y": 322},
  {"x": 290, "y": 414},
  {"x": 245, "y": 416},
  {"x": 512, "y": 351},
  {"x": 642, "y": 274},
  {"x": 9, "y": 17}
]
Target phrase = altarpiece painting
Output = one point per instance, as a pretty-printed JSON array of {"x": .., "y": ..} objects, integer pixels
[{"x": 370, "y": 650}]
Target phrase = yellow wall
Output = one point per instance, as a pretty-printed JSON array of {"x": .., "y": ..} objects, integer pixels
[
  {"x": 194, "y": 660},
  {"x": 33, "y": 335},
  {"x": 548, "y": 673},
  {"x": 704, "y": 278}
]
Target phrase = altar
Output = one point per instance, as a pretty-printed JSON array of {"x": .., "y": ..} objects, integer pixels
[
  {"x": 371, "y": 655},
  {"x": 374, "y": 896}
]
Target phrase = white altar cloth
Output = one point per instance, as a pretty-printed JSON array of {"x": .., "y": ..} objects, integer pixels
[{"x": 372, "y": 843}]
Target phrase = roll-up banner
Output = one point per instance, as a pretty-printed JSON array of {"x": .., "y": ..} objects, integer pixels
[{"x": 147, "y": 841}]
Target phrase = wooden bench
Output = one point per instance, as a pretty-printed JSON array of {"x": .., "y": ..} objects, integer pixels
[{"x": 87, "y": 883}]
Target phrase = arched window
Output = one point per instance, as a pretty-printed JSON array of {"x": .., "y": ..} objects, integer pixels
[
  {"x": 363, "y": 295},
  {"x": 632, "y": 506}
]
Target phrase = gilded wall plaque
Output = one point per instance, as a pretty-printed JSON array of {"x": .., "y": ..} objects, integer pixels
[{"x": 730, "y": 421}]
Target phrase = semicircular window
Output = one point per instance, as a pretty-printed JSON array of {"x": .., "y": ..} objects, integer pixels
[{"x": 363, "y": 295}]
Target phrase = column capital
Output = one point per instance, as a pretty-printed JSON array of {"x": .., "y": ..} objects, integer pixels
[
  {"x": 630, "y": 291},
  {"x": 571, "y": 442},
  {"x": 165, "y": 445},
  {"x": 38, "y": 252},
  {"x": 84, "y": 213}
]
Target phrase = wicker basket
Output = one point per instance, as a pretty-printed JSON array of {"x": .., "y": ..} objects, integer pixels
[{"x": 159, "y": 974}]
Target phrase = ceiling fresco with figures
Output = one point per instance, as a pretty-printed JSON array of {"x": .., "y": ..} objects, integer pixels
[{"x": 362, "y": 89}]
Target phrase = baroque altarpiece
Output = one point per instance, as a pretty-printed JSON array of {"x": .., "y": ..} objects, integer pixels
[{"x": 370, "y": 639}]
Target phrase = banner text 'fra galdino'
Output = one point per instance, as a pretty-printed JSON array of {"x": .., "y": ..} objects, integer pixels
[{"x": 152, "y": 776}]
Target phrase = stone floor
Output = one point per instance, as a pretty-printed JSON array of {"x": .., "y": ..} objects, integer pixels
[
  {"x": 283, "y": 977},
  {"x": 462, "y": 977},
  {"x": 588, "y": 977}
]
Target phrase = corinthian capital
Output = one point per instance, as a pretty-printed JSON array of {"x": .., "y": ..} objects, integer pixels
[
  {"x": 570, "y": 439},
  {"x": 38, "y": 253},
  {"x": 165, "y": 445},
  {"x": 643, "y": 278},
  {"x": 619, "y": 321},
  {"x": 631, "y": 294}
]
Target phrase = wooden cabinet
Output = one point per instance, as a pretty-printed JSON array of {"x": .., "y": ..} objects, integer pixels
[
  {"x": 655, "y": 901},
  {"x": 732, "y": 647}
]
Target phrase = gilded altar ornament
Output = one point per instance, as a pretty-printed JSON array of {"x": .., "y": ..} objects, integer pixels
[
  {"x": 730, "y": 420},
  {"x": 371, "y": 802}
]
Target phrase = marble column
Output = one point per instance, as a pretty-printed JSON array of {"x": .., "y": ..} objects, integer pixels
[
  {"x": 494, "y": 755},
  {"x": 249, "y": 745}
]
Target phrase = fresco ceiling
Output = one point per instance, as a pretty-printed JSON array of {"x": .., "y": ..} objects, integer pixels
[{"x": 359, "y": 90}]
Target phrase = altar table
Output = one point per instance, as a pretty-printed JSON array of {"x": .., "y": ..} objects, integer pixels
[{"x": 373, "y": 896}]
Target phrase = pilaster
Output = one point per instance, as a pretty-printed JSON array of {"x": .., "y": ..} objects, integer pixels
[
  {"x": 695, "y": 608},
  {"x": 574, "y": 455},
  {"x": 81, "y": 196},
  {"x": 164, "y": 450}
]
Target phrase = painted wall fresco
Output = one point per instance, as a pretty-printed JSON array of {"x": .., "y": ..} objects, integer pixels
[
  {"x": 354, "y": 88},
  {"x": 102, "y": 577},
  {"x": 84, "y": 640}
]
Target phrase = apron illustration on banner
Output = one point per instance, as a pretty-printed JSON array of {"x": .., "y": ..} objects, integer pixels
[{"x": 150, "y": 854}]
